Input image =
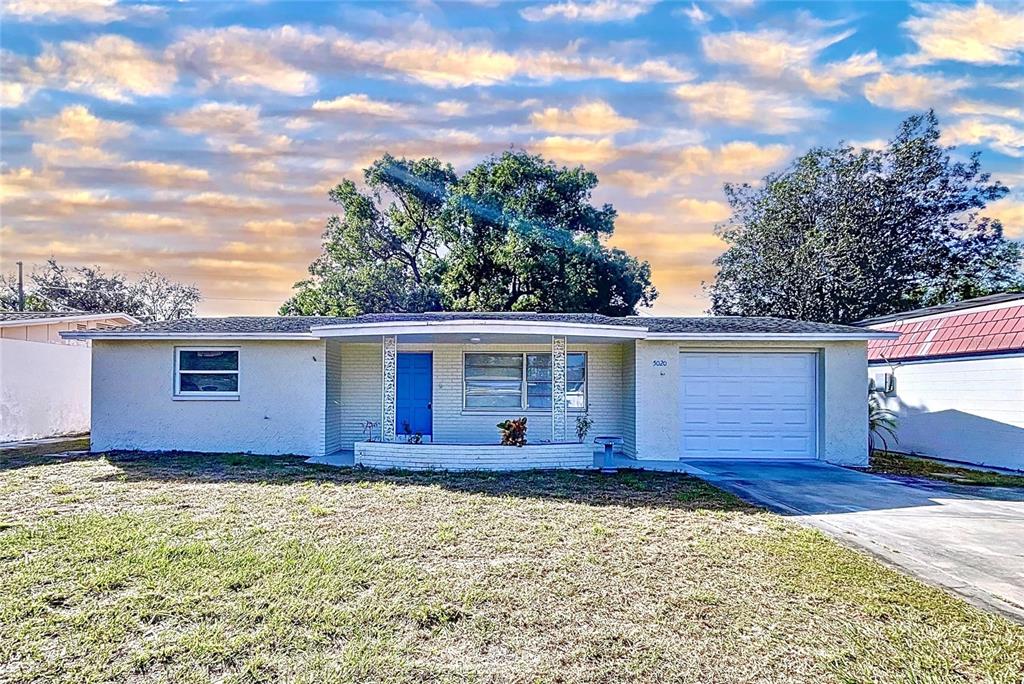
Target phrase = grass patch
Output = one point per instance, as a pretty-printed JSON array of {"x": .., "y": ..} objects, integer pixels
[
  {"x": 887, "y": 462},
  {"x": 181, "y": 567}
]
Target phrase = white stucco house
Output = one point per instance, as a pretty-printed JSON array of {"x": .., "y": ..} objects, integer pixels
[
  {"x": 955, "y": 379},
  {"x": 44, "y": 379},
  {"x": 655, "y": 388}
]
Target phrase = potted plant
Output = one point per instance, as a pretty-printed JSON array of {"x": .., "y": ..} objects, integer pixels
[{"x": 513, "y": 432}]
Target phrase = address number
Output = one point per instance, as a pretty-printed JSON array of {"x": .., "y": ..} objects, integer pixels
[{"x": 659, "y": 362}]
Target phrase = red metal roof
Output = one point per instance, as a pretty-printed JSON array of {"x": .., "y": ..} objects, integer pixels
[{"x": 958, "y": 334}]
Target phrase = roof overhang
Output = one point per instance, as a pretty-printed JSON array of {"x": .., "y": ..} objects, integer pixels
[
  {"x": 772, "y": 337},
  {"x": 103, "y": 335},
  {"x": 474, "y": 326},
  {"x": 128, "y": 320}
]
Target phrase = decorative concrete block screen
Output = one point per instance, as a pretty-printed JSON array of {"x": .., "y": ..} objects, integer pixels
[{"x": 473, "y": 456}]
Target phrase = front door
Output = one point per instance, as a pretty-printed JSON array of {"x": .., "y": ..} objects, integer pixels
[{"x": 414, "y": 394}]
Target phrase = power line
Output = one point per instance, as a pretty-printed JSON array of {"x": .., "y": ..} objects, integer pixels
[{"x": 90, "y": 289}]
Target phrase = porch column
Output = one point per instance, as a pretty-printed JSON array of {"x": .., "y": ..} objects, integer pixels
[
  {"x": 389, "y": 385},
  {"x": 558, "y": 409}
]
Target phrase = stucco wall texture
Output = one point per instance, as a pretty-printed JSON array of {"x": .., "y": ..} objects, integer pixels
[
  {"x": 44, "y": 389},
  {"x": 280, "y": 408}
]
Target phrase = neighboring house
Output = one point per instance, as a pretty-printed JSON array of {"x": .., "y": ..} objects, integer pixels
[
  {"x": 955, "y": 378},
  {"x": 660, "y": 388},
  {"x": 44, "y": 380}
]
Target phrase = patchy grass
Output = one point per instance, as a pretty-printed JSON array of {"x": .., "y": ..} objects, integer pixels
[
  {"x": 887, "y": 462},
  {"x": 248, "y": 569}
]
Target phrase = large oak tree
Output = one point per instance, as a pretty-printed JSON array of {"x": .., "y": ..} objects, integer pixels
[
  {"x": 845, "y": 234},
  {"x": 514, "y": 233}
]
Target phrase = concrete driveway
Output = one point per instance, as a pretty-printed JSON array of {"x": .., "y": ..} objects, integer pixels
[{"x": 969, "y": 540}]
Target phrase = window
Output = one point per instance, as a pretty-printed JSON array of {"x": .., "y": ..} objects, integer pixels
[
  {"x": 206, "y": 372},
  {"x": 521, "y": 381}
]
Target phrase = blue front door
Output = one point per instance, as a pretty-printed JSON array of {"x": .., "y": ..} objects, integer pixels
[{"x": 414, "y": 393}]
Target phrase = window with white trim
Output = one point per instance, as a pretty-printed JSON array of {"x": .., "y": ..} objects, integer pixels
[
  {"x": 205, "y": 372},
  {"x": 521, "y": 381}
]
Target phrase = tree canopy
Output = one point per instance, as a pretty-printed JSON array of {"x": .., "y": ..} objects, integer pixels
[
  {"x": 53, "y": 287},
  {"x": 845, "y": 234},
  {"x": 514, "y": 233}
]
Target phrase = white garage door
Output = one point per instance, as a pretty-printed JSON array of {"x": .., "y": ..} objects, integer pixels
[{"x": 748, "y": 405}]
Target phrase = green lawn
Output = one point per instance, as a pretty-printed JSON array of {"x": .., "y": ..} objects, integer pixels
[
  {"x": 887, "y": 462},
  {"x": 186, "y": 568}
]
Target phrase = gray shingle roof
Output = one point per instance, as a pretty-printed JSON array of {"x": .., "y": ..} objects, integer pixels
[
  {"x": 655, "y": 324},
  {"x": 33, "y": 315}
]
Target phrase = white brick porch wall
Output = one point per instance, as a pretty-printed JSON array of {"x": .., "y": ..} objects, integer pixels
[{"x": 472, "y": 456}]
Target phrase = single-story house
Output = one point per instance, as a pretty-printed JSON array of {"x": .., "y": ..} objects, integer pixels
[
  {"x": 955, "y": 379},
  {"x": 427, "y": 390},
  {"x": 44, "y": 380}
]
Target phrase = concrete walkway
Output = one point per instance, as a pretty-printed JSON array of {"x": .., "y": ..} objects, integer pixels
[{"x": 969, "y": 540}]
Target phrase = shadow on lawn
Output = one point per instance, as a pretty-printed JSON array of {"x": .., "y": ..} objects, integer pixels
[{"x": 631, "y": 489}]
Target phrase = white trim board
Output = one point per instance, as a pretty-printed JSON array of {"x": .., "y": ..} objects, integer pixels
[
  {"x": 479, "y": 326},
  {"x": 68, "y": 319}
]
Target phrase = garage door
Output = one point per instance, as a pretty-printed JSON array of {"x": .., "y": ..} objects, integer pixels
[{"x": 748, "y": 405}]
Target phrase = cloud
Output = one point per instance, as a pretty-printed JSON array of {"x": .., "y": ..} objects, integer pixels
[
  {"x": 286, "y": 58},
  {"x": 973, "y": 107},
  {"x": 591, "y": 11},
  {"x": 696, "y": 15},
  {"x": 575, "y": 150},
  {"x": 217, "y": 118},
  {"x": 1001, "y": 137},
  {"x": 139, "y": 222},
  {"x": 637, "y": 183},
  {"x": 910, "y": 91},
  {"x": 828, "y": 80},
  {"x": 777, "y": 54},
  {"x": 978, "y": 34},
  {"x": 23, "y": 182},
  {"x": 285, "y": 228},
  {"x": 77, "y": 124},
  {"x": 73, "y": 155},
  {"x": 704, "y": 211},
  {"x": 1010, "y": 212},
  {"x": 108, "y": 67},
  {"x": 589, "y": 118},
  {"x": 451, "y": 108},
  {"x": 244, "y": 58},
  {"x": 737, "y": 160},
  {"x": 733, "y": 103},
  {"x": 163, "y": 174},
  {"x": 86, "y": 11},
  {"x": 767, "y": 53},
  {"x": 218, "y": 201},
  {"x": 359, "y": 103}
]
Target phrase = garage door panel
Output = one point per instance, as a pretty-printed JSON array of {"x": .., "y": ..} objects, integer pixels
[{"x": 748, "y": 405}]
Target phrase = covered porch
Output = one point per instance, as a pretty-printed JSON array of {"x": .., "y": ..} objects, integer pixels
[{"x": 429, "y": 394}]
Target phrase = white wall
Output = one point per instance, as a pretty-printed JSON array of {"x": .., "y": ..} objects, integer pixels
[
  {"x": 845, "y": 420},
  {"x": 280, "y": 409},
  {"x": 44, "y": 389},
  {"x": 359, "y": 394},
  {"x": 969, "y": 410},
  {"x": 843, "y": 411}
]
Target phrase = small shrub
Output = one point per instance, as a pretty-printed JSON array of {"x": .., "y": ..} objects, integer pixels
[
  {"x": 513, "y": 431},
  {"x": 583, "y": 425},
  {"x": 881, "y": 423}
]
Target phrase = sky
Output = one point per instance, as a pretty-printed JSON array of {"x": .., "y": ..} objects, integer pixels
[{"x": 200, "y": 139}]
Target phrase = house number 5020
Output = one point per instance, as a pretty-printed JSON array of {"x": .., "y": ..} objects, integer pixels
[{"x": 657, "y": 363}]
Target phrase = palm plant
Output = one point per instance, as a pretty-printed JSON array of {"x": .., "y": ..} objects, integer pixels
[{"x": 881, "y": 423}]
